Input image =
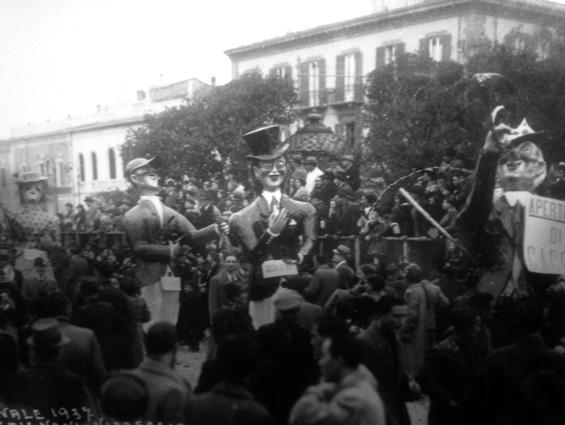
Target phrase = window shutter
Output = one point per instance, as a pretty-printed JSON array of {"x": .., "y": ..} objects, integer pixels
[
  {"x": 380, "y": 57},
  {"x": 424, "y": 51},
  {"x": 445, "y": 41},
  {"x": 400, "y": 48},
  {"x": 340, "y": 78},
  {"x": 359, "y": 89},
  {"x": 303, "y": 83},
  {"x": 323, "y": 91},
  {"x": 288, "y": 72}
]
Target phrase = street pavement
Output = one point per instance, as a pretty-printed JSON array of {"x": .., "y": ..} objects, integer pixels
[{"x": 190, "y": 363}]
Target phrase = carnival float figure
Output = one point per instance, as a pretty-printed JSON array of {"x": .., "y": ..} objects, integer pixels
[
  {"x": 492, "y": 223},
  {"x": 39, "y": 231},
  {"x": 274, "y": 232},
  {"x": 155, "y": 233}
]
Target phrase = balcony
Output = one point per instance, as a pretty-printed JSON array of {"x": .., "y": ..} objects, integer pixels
[{"x": 353, "y": 93}]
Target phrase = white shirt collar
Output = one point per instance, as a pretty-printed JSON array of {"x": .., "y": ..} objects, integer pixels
[
  {"x": 512, "y": 197},
  {"x": 269, "y": 196}
]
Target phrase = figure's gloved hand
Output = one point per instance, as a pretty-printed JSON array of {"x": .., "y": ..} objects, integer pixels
[
  {"x": 495, "y": 137},
  {"x": 224, "y": 227},
  {"x": 277, "y": 222}
]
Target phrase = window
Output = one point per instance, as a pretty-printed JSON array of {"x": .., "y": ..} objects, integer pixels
[
  {"x": 437, "y": 47},
  {"x": 350, "y": 133},
  {"x": 112, "y": 163},
  {"x": 81, "y": 166},
  {"x": 313, "y": 84},
  {"x": 284, "y": 71},
  {"x": 349, "y": 73},
  {"x": 434, "y": 49},
  {"x": 389, "y": 54},
  {"x": 94, "y": 166},
  {"x": 349, "y": 77}
]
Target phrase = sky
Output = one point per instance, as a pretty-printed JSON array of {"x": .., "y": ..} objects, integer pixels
[{"x": 64, "y": 57}]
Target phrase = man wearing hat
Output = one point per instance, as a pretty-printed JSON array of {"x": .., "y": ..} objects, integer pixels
[
  {"x": 350, "y": 171},
  {"x": 154, "y": 232},
  {"x": 273, "y": 226},
  {"x": 46, "y": 385},
  {"x": 288, "y": 348},
  {"x": 347, "y": 276},
  {"x": 494, "y": 231},
  {"x": 312, "y": 173}
]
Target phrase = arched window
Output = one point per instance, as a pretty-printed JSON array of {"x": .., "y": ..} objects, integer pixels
[
  {"x": 112, "y": 162},
  {"x": 81, "y": 166},
  {"x": 94, "y": 166}
]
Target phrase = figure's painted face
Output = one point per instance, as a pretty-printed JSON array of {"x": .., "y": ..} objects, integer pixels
[
  {"x": 33, "y": 193},
  {"x": 146, "y": 178},
  {"x": 271, "y": 174},
  {"x": 522, "y": 168}
]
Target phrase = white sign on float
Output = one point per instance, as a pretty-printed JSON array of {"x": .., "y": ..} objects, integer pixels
[{"x": 544, "y": 236}]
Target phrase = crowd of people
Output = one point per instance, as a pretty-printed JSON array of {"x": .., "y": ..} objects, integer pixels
[{"x": 349, "y": 345}]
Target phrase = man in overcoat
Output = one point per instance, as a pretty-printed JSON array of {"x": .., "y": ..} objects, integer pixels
[
  {"x": 273, "y": 226},
  {"x": 154, "y": 232}
]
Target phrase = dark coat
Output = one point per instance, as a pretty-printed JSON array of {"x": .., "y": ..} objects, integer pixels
[
  {"x": 347, "y": 276},
  {"x": 324, "y": 283},
  {"x": 82, "y": 355},
  {"x": 248, "y": 230},
  {"x": 447, "y": 377},
  {"x": 168, "y": 393},
  {"x": 149, "y": 239},
  {"x": 287, "y": 346},
  {"x": 381, "y": 354},
  {"x": 227, "y": 403},
  {"x": 499, "y": 393},
  {"x": 47, "y": 386},
  {"x": 103, "y": 319}
]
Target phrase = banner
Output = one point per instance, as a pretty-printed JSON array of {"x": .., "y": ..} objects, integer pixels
[{"x": 544, "y": 235}]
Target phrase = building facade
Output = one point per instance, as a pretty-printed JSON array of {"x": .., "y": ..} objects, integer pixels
[
  {"x": 82, "y": 156},
  {"x": 329, "y": 64}
]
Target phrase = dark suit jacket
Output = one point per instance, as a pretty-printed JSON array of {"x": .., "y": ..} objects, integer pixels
[
  {"x": 168, "y": 392},
  {"x": 493, "y": 231},
  {"x": 248, "y": 230},
  {"x": 324, "y": 283},
  {"x": 347, "y": 277},
  {"x": 106, "y": 323},
  {"x": 381, "y": 354},
  {"x": 149, "y": 239},
  {"x": 82, "y": 355},
  {"x": 227, "y": 404},
  {"x": 48, "y": 386}
]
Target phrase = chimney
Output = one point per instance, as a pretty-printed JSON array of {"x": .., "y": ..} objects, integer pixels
[{"x": 213, "y": 81}]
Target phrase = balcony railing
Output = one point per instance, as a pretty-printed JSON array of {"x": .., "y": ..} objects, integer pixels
[{"x": 333, "y": 95}]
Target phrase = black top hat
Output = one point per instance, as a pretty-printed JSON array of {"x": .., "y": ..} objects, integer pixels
[{"x": 265, "y": 143}]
